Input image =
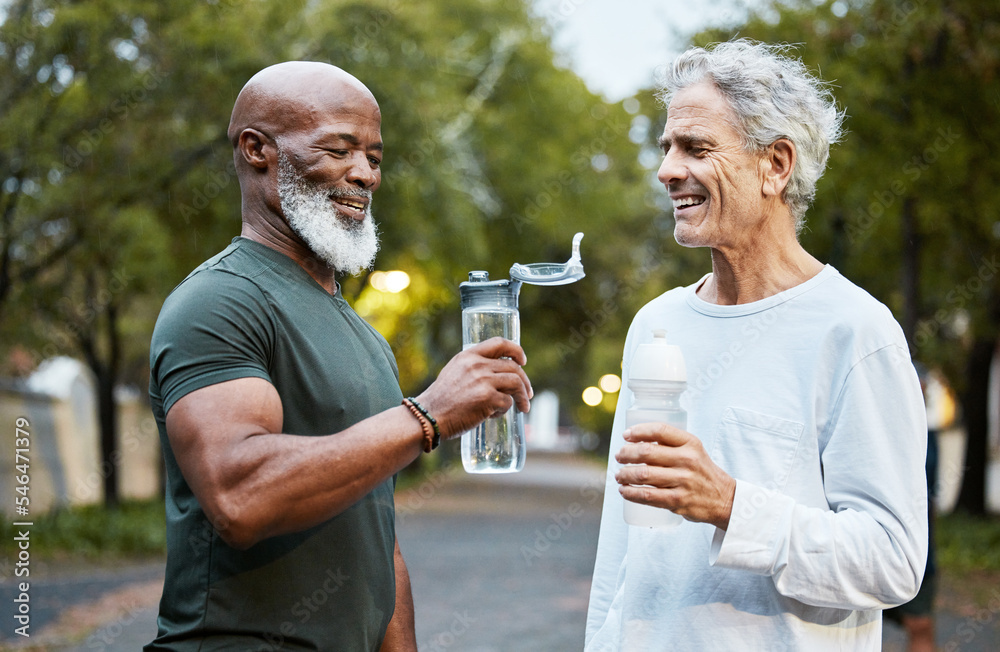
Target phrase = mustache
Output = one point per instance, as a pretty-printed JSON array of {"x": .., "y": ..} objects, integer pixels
[{"x": 350, "y": 192}]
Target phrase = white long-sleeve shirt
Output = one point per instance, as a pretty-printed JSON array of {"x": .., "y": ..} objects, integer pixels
[{"x": 809, "y": 400}]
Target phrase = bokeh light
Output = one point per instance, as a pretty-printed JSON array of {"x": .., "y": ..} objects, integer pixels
[
  {"x": 394, "y": 281},
  {"x": 593, "y": 396},
  {"x": 610, "y": 383}
]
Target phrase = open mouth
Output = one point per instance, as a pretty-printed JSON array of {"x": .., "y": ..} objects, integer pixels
[
  {"x": 687, "y": 201},
  {"x": 353, "y": 207}
]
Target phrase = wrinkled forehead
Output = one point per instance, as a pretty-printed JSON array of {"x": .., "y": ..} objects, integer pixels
[{"x": 702, "y": 108}]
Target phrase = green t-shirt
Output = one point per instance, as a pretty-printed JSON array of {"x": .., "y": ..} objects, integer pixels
[{"x": 251, "y": 311}]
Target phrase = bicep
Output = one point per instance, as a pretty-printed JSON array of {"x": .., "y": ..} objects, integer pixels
[{"x": 206, "y": 427}]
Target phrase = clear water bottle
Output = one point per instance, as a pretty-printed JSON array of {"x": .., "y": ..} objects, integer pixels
[
  {"x": 489, "y": 309},
  {"x": 657, "y": 378}
]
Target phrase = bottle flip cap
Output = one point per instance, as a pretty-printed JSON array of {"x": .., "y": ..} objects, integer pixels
[
  {"x": 658, "y": 360},
  {"x": 551, "y": 273}
]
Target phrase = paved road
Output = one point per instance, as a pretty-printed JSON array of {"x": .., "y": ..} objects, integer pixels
[
  {"x": 497, "y": 563},
  {"x": 503, "y": 563}
]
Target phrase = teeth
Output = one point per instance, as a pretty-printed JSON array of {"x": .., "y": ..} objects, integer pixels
[
  {"x": 688, "y": 201},
  {"x": 352, "y": 204}
]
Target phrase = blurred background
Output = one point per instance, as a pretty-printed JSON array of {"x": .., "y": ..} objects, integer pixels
[{"x": 509, "y": 125}]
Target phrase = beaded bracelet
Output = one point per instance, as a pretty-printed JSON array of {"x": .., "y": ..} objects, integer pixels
[{"x": 432, "y": 434}]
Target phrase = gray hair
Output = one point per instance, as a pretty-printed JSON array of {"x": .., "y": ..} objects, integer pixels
[{"x": 774, "y": 96}]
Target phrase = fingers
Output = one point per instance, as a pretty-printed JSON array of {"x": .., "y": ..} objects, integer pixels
[
  {"x": 482, "y": 381},
  {"x": 666, "y": 498},
  {"x": 679, "y": 477},
  {"x": 512, "y": 380},
  {"x": 498, "y": 347},
  {"x": 650, "y": 475},
  {"x": 659, "y": 433}
]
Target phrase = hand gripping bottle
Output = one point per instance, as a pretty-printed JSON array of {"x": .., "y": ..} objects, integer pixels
[
  {"x": 657, "y": 378},
  {"x": 489, "y": 308}
]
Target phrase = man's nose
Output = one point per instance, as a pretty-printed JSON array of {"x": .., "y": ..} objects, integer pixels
[
  {"x": 672, "y": 169},
  {"x": 361, "y": 173}
]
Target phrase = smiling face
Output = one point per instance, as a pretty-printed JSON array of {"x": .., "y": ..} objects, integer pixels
[
  {"x": 307, "y": 145},
  {"x": 715, "y": 185},
  {"x": 325, "y": 220},
  {"x": 328, "y": 168}
]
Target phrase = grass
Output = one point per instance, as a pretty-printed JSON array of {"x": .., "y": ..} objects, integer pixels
[
  {"x": 134, "y": 528},
  {"x": 968, "y": 559},
  {"x": 967, "y": 544}
]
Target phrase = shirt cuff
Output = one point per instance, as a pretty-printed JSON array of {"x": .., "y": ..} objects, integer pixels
[{"x": 757, "y": 537}]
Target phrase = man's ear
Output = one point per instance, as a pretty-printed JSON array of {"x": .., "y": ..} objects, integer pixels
[
  {"x": 778, "y": 163},
  {"x": 251, "y": 147}
]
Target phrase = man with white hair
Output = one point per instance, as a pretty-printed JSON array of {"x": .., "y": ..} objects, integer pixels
[
  {"x": 801, "y": 477},
  {"x": 279, "y": 409}
]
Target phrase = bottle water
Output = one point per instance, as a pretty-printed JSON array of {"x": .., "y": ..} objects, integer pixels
[
  {"x": 657, "y": 378},
  {"x": 489, "y": 309}
]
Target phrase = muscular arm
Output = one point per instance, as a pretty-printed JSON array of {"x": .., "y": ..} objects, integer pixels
[{"x": 254, "y": 482}]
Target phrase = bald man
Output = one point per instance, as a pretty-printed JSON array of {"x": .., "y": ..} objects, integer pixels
[{"x": 279, "y": 409}]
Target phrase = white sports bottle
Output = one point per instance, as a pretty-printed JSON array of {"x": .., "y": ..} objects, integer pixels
[{"x": 657, "y": 378}]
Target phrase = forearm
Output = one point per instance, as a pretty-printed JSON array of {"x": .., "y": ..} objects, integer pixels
[
  {"x": 255, "y": 483},
  {"x": 268, "y": 484}
]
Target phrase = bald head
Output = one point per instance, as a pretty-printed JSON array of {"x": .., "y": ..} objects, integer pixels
[{"x": 294, "y": 95}]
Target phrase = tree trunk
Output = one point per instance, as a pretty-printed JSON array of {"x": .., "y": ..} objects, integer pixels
[
  {"x": 975, "y": 406},
  {"x": 910, "y": 282},
  {"x": 105, "y": 368},
  {"x": 108, "y": 421}
]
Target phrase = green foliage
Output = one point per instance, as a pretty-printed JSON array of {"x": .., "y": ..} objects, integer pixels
[
  {"x": 119, "y": 178},
  {"x": 134, "y": 528},
  {"x": 968, "y": 544}
]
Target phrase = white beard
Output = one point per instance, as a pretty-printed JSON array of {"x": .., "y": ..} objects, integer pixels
[{"x": 346, "y": 245}]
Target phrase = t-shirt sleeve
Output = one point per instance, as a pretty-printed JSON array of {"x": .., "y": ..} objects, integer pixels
[{"x": 214, "y": 327}]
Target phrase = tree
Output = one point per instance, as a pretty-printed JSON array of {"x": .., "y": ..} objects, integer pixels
[
  {"x": 117, "y": 177},
  {"x": 906, "y": 208},
  {"x": 95, "y": 146}
]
